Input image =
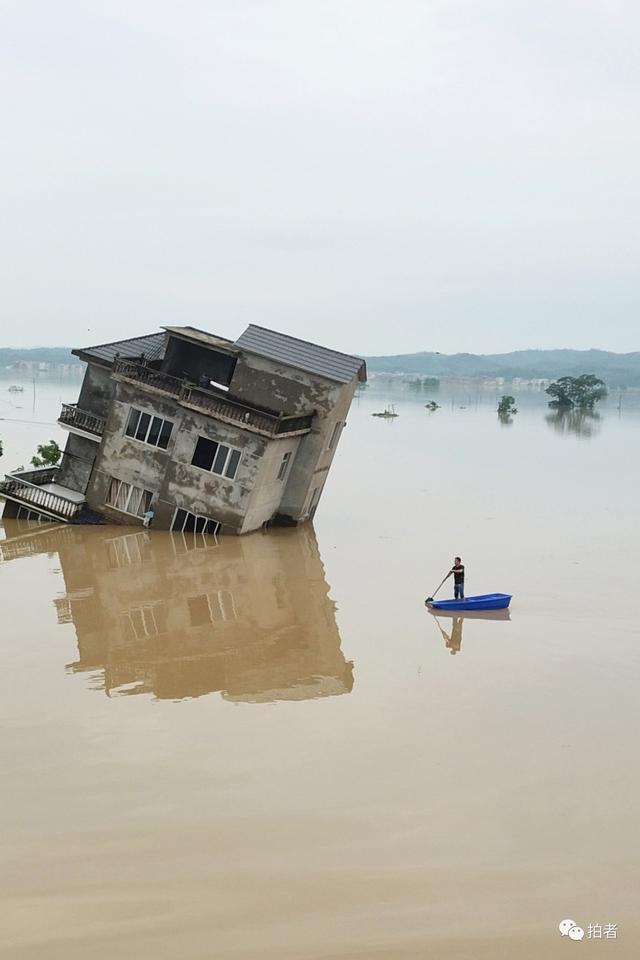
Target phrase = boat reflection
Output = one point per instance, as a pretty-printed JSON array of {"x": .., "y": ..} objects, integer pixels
[
  {"x": 452, "y": 636},
  {"x": 177, "y": 616}
]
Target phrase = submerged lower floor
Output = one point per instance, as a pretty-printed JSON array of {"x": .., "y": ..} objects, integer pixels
[{"x": 41, "y": 494}]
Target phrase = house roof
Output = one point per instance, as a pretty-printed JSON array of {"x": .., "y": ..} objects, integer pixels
[
  {"x": 204, "y": 338},
  {"x": 151, "y": 345},
  {"x": 341, "y": 367}
]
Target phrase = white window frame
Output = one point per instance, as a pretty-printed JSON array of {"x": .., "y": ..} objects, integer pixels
[
  {"x": 147, "y": 619},
  {"x": 231, "y": 450},
  {"x": 32, "y": 516},
  {"x": 128, "y": 498},
  {"x": 198, "y": 516},
  {"x": 283, "y": 469},
  {"x": 127, "y": 549},
  {"x": 152, "y": 417},
  {"x": 221, "y": 606}
]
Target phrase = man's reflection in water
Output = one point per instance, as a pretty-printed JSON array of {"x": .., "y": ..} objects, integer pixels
[
  {"x": 453, "y": 639},
  {"x": 453, "y": 635},
  {"x": 175, "y": 615}
]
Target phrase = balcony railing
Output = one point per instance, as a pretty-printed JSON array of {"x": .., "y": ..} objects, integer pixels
[
  {"x": 137, "y": 372},
  {"x": 72, "y": 416},
  {"x": 27, "y": 489},
  {"x": 221, "y": 408}
]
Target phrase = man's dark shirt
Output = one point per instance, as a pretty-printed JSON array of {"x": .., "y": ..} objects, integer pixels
[{"x": 458, "y": 573}]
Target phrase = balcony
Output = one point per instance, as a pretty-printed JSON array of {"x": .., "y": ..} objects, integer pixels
[
  {"x": 37, "y": 490},
  {"x": 223, "y": 408},
  {"x": 81, "y": 421}
]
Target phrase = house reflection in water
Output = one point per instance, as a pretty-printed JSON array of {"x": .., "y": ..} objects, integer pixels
[{"x": 176, "y": 615}]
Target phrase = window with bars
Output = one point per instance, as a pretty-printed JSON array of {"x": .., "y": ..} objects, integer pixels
[
  {"x": 216, "y": 457},
  {"x": 127, "y": 498},
  {"x": 284, "y": 463},
  {"x": 186, "y": 522},
  {"x": 148, "y": 429}
]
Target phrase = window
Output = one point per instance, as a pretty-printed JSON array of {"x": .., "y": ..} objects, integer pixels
[
  {"x": 283, "y": 465},
  {"x": 127, "y": 498},
  {"x": 25, "y": 514},
  {"x": 335, "y": 434},
  {"x": 216, "y": 457},
  {"x": 185, "y": 522},
  {"x": 153, "y": 430},
  {"x": 129, "y": 549},
  {"x": 149, "y": 620},
  {"x": 211, "y": 608}
]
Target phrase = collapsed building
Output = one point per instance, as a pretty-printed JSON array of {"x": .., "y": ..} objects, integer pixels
[{"x": 209, "y": 435}]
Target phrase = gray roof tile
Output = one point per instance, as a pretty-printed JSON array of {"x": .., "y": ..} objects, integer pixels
[
  {"x": 310, "y": 357},
  {"x": 151, "y": 345}
]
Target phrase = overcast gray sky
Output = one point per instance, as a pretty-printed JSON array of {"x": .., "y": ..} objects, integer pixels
[{"x": 378, "y": 175}]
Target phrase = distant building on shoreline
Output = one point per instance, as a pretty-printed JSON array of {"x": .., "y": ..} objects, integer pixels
[{"x": 207, "y": 434}]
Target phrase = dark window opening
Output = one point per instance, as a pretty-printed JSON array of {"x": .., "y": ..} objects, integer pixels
[
  {"x": 204, "y": 453},
  {"x": 199, "y": 611},
  {"x": 216, "y": 457},
  {"x": 178, "y": 520}
]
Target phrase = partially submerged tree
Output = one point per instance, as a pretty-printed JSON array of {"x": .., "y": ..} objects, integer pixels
[
  {"x": 507, "y": 405},
  {"x": 584, "y": 391},
  {"x": 48, "y": 455}
]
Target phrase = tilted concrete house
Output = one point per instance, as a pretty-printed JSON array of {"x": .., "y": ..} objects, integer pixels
[{"x": 212, "y": 435}]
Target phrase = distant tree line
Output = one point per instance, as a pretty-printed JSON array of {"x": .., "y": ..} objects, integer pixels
[{"x": 617, "y": 369}]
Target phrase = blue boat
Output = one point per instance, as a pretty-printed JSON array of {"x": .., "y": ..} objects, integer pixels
[{"x": 486, "y": 601}]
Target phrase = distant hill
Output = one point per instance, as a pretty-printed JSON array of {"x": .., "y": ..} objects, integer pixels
[
  {"x": 616, "y": 369},
  {"x": 9, "y": 355}
]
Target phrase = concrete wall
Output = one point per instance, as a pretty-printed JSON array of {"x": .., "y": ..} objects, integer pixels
[
  {"x": 97, "y": 390},
  {"x": 269, "y": 384},
  {"x": 77, "y": 462},
  {"x": 314, "y": 459},
  {"x": 96, "y": 394},
  {"x": 169, "y": 474},
  {"x": 126, "y": 459},
  {"x": 278, "y": 387},
  {"x": 206, "y": 493},
  {"x": 268, "y": 490}
]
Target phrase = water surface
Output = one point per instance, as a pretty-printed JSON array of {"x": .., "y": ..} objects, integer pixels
[{"x": 268, "y": 747}]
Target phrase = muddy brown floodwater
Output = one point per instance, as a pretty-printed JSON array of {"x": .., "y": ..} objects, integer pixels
[{"x": 267, "y": 747}]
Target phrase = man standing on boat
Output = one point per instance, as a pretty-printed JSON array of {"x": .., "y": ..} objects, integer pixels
[{"x": 458, "y": 578}]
